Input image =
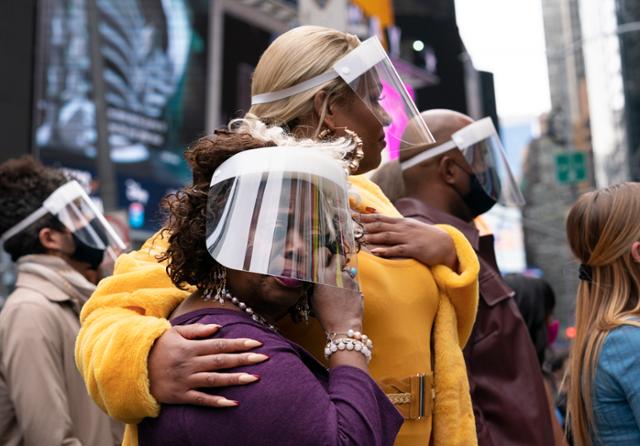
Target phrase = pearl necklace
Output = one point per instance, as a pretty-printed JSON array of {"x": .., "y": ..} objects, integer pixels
[{"x": 225, "y": 295}]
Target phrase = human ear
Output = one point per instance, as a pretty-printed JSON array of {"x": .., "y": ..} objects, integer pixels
[
  {"x": 635, "y": 252},
  {"x": 50, "y": 239},
  {"x": 448, "y": 170},
  {"x": 324, "y": 109}
]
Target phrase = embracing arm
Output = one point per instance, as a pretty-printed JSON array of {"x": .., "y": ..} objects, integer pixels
[
  {"x": 120, "y": 324},
  {"x": 131, "y": 358}
]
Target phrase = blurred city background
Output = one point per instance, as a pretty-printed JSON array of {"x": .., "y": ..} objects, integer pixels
[{"x": 114, "y": 90}]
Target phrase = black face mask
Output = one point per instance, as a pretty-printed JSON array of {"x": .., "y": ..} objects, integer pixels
[
  {"x": 477, "y": 200},
  {"x": 86, "y": 253}
]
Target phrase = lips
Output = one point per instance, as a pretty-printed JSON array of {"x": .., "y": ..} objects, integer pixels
[
  {"x": 382, "y": 141},
  {"x": 289, "y": 282}
]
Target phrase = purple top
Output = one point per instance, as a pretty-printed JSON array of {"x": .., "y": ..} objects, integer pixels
[{"x": 295, "y": 402}]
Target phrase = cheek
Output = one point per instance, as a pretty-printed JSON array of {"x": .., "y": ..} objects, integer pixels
[{"x": 241, "y": 283}]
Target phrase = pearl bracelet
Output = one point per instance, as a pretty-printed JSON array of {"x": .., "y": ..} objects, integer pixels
[{"x": 351, "y": 341}]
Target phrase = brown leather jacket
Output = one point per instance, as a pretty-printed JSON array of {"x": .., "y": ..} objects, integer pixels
[{"x": 507, "y": 389}]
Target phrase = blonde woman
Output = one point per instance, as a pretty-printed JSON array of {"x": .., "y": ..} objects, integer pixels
[
  {"x": 604, "y": 390},
  {"x": 419, "y": 282}
]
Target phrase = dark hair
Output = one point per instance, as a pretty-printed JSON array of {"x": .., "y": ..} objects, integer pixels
[
  {"x": 536, "y": 301},
  {"x": 24, "y": 185},
  {"x": 189, "y": 261}
]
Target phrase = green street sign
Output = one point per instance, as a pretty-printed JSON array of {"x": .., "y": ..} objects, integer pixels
[{"x": 571, "y": 167}]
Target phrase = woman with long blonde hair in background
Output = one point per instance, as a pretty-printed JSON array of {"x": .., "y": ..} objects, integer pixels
[{"x": 603, "y": 228}]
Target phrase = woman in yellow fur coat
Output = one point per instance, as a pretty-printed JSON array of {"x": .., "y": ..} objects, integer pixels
[{"x": 419, "y": 282}]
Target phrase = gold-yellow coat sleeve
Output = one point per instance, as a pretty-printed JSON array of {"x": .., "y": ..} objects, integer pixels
[
  {"x": 462, "y": 287},
  {"x": 119, "y": 324}
]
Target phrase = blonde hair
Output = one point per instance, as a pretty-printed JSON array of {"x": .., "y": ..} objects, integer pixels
[
  {"x": 294, "y": 57},
  {"x": 601, "y": 227}
]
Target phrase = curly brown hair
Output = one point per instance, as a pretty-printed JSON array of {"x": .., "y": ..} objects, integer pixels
[
  {"x": 24, "y": 185},
  {"x": 189, "y": 262}
]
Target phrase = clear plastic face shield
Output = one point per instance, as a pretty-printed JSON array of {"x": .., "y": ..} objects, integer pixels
[
  {"x": 282, "y": 211},
  {"x": 369, "y": 72},
  {"x": 482, "y": 149},
  {"x": 71, "y": 205}
]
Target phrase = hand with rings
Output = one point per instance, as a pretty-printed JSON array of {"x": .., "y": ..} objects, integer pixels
[{"x": 392, "y": 237}]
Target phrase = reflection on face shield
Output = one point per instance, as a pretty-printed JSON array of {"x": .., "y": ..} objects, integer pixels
[
  {"x": 490, "y": 182},
  {"x": 91, "y": 242},
  {"x": 281, "y": 211},
  {"x": 302, "y": 241},
  {"x": 482, "y": 161},
  {"x": 369, "y": 89},
  {"x": 93, "y": 234}
]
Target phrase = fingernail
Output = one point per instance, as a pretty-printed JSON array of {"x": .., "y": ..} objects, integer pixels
[
  {"x": 251, "y": 343},
  {"x": 375, "y": 252},
  {"x": 257, "y": 357},
  {"x": 247, "y": 378},
  {"x": 215, "y": 325},
  {"x": 227, "y": 403},
  {"x": 370, "y": 210}
]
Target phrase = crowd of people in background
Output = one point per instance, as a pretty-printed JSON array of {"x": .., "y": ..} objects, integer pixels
[{"x": 301, "y": 293}]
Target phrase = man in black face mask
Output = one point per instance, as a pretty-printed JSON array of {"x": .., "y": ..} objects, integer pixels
[
  {"x": 449, "y": 184},
  {"x": 57, "y": 245}
]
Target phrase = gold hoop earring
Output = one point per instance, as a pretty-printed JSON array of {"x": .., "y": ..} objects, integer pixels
[
  {"x": 325, "y": 134},
  {"x": 355, "y": 155}
]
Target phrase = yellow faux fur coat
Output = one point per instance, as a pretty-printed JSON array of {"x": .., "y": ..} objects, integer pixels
[{"x": 415, "y": 315}]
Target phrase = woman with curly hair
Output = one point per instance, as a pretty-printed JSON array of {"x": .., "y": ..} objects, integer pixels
[
  {"x": 419, "y": 281},
  {"x": 298, "y": 401},
  {"x": 604, "y": 389}
]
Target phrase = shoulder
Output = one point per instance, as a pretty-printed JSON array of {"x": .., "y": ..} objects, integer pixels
[
  {"x": 284, "y": 403},
  {"x": 29, "y": 305},
  {"x": 618, "y": 356},
  {"x": 618, "y": 369},
  {"x": 238, "y": 325},
  {"x": 31, "y": 319},
  {"x": 365, "y": 194},
  {"x": 413, "y": 208},
  {"x": 621, "y": 340}
]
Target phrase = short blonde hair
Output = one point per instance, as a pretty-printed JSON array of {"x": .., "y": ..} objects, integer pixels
[{"x": 294, "y": 57}]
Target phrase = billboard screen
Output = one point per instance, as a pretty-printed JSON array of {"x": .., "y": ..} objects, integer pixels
[{"x": 132, "y": 72}]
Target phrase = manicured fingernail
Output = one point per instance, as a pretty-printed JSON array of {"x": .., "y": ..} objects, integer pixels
[
  {"x": 227, "y": 403},
  {"x": 257, "y": 357},
  {"x": 370, "y": 210},
  {"x": 247, "y": 378},
  {"x": 251, "y": 343}
]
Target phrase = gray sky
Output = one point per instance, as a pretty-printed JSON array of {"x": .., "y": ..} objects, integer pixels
[{"x": 506, "y": 37}]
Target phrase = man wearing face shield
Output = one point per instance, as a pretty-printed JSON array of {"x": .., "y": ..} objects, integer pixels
[
  {"x": 453, "y": 181},
  {"x": 50, "y": 227}
]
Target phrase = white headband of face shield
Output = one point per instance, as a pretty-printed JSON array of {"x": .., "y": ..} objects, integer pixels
[
  {"x": 349, "y": 67},
  {"x": 427, "y": 154},
  {"x": 467, "y": 136},
  {"x": 282, "y": 159},
  {"x": 54, "y": 203}
]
